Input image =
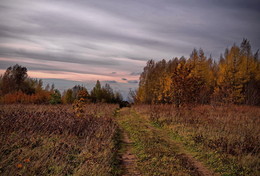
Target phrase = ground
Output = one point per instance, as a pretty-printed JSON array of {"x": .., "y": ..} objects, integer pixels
[{"x": 141, "y": 140}]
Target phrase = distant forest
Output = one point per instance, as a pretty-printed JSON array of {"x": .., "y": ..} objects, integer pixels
[
  {"x": 17, "y": 87},
  {"x": 234, "y": 79}
]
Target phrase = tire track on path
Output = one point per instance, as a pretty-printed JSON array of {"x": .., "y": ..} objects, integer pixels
[{"x": 128, "y": 159}]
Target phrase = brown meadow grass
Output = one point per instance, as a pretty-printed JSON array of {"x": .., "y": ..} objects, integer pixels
[
  {"x": 51, "y": 140},
  {"x": 231, "y": 133}
]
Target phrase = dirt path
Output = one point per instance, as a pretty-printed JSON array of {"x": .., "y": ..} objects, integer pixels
[
  {"x": 128, "y": 158},
  {"x": 161, "y": 148},
  {"x": 194, "y": 164}
]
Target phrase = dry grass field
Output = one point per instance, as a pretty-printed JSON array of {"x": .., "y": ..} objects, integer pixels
[
  {"x": 226, "y": 138},
  {"x": 51, "y": 140},
  {"x": 201, "y": 140}
]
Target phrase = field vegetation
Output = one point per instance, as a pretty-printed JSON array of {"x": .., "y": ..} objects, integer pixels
[
  {"x": 51, "y": 140},
  {"x": 225, "y": 138}
]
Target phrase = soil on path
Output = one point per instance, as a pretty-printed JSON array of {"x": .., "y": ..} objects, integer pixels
[
  {"x": 195, "y": 165},
  {"x": 128, "y": 159}
]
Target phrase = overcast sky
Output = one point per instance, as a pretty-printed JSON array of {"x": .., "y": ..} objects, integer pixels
[{"x": 65, "y": 41}]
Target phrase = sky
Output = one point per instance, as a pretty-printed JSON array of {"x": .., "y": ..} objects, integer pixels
[{"x": 77, "y": 42}]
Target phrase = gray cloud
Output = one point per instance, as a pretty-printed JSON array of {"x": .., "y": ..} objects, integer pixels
[
  {"x": 133, "y": 81},
  {"x": 124, "y": 79},
  {"x": 51, "y": 56},
  {"x": 110, "y": 82},
  {"x": 135, "y": 73},
  {"x": 42, "y": 67}
]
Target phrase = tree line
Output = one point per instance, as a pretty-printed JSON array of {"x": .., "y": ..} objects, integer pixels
[
  {"x": 17, "y": 87},
  {"x": 99, "y": 94},
  {"x": 234, "y": 79}
]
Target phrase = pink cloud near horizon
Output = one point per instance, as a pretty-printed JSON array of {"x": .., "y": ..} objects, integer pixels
[{"x": 73, "y": 76}]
